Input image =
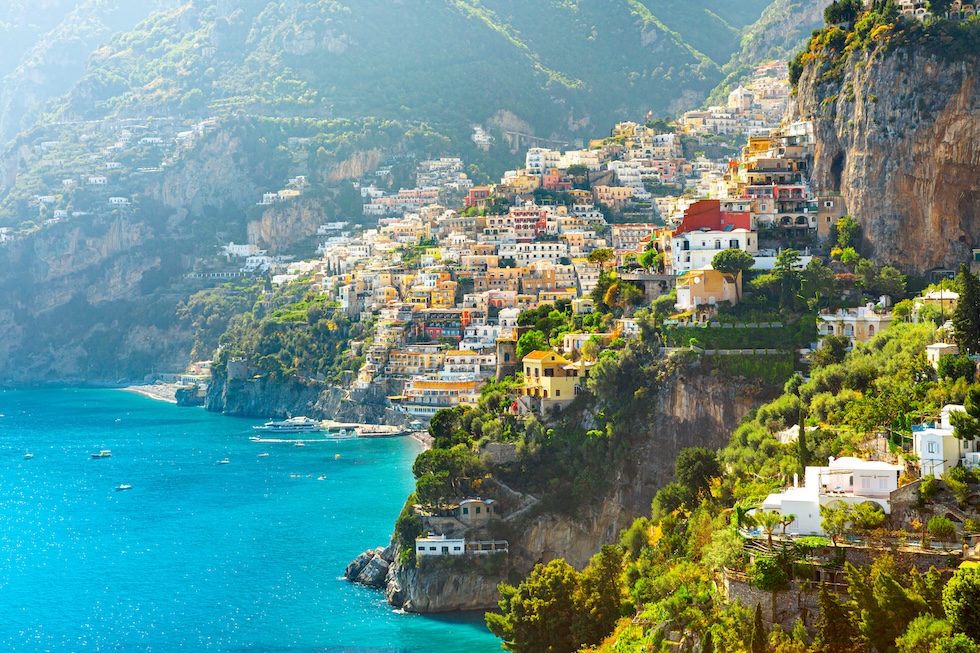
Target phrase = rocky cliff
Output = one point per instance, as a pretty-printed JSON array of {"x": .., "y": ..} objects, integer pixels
[
  {"x": 898, "y": 135},
  {"x": 694, "y": 407}
]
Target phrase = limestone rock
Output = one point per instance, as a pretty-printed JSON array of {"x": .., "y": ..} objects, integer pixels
[{"x": 898, "y": 135}]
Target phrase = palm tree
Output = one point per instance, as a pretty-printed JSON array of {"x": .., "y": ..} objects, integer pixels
[{"x": 768, "y": 522}]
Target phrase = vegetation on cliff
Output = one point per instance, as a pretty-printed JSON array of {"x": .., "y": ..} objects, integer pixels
[
  {"x": 852, "y": 30},
  {"x": 671, "y": 559}
]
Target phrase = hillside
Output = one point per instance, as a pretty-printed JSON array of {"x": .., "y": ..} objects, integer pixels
[
  {"x": 46, "y": 46},
  {"x": 559, "y": 67}
]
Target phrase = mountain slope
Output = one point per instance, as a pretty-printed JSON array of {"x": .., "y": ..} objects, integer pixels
[{"x": 550, "y": 63}]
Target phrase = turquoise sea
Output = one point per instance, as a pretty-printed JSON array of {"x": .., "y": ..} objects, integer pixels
[{"x": 197, "y": 556}]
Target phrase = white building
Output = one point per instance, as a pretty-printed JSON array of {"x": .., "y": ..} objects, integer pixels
[
  {"x": 939, "y": 450},
  {"x": 524, "y": 254},
  {"x": 694, "y": 250},
  {"x": 433, "y": 545},
  {"x": 844, "y": 481},
  {"x": 539, "y": 160}
]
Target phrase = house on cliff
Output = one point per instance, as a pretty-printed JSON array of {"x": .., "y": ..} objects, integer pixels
[{"x": 843, "y": 481}]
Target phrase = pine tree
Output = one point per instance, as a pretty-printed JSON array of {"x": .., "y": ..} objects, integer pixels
[
  {"x": 966, "y": 317},
  {"x": 837, "y": 630},
  {"x": 759, "y": 634},
  {"x": 803, "y": 449}
]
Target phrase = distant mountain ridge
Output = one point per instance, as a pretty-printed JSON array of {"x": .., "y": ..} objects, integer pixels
[{"x": 563, "y": 67}]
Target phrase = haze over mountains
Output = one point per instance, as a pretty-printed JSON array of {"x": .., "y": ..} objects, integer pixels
[{"x": 555, "y": 68}]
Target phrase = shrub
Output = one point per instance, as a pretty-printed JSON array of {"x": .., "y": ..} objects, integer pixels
[{"x": 768, "y": 575}]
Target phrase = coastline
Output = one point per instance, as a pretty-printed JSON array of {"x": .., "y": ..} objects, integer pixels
[
  {"x": 422, "y": 437},
  {"x": 159, "y": 391}
]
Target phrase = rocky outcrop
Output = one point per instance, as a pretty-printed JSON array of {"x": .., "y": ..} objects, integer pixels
[
  {"x": 283, "y": 225},
  {"x": 694, "y": 407},
  {"x": 898, "y": 135}
]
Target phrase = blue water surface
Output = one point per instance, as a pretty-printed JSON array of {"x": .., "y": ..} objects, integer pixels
[{"x": 197, "y": 556}]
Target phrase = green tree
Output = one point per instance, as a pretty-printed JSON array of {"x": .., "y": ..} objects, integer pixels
[
  {"x": 890, "y": 282},
  {"x": 600, "y": 597},
  {"x": 922, "y": 634},
  {"x": 867, "y": 516},
  {"x": 966, "y": 317},
  {"x": 600, "y": 257},
  {"x": 819, "y": 282},
  {"x": 695, "y": 468},
  {"x": 961, "y": 602},
  {"x": 837, "y": 630},
  {"x": 539, "y": 615},
  {"x": 758, "y": 640},
  {"x": 956, "y": 367},
  {"x": 966, "y": 423},
  {"x": 848, "y": 230},
  {"x": 533, "y": 340},
  {"x": 835, "y": 520},
  {"x": 942, "y": 528},
  {"x": 832, "y": 350},
  {"x": 940, "y": 7},
  {"x": 733, "y": 262},
  {"x": 958, "y": 643}
]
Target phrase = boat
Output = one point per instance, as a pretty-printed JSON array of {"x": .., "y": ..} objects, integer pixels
[
  {"x": 124, "y": 487},
  {"x": 300, "y": 444},
  {"x": 224, "y": 461},
  {"x": 263, "y": 455},
  {"x": 28, "y": 456},
  {"x": 339, "y": 433},
  {"x": 291, "y": 425},
  {"x": 321, "y": 478},
  {"x": 105, "y": 453}
]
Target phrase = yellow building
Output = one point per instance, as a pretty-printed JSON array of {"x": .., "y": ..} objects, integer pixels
[
  {"x": 707, "y": 287},
  {"x": 551, "y": 380},
  {"x": 415, "y": 360},
  {"x": 444, "y": 295}
]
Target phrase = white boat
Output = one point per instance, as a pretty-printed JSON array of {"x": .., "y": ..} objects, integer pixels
[
  {"x": 291, "y": 425},
  {"x": 224, "y": 461},
  {"x": 300, "y": 444},
  {"x": 263, "y": 455},
  {"x": 124, "y": 487},
  {"x": 339, "y": 433},
  {"x": 28, "y": 456},
  {"x": 105, "y": 453}
]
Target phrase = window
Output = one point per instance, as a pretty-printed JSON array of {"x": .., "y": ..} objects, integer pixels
[
  {"x": 432, "y": 548},
  {"x": 466, "y": 511},
  {"x": 478, "y": 510},
  {"x": 557, "y": 394},
  {"x": 932, "y": 447},
  {"x": 445, "y": 549},
  {"x": 865, "y": 483},
  {"x": 455, "y": 548}
]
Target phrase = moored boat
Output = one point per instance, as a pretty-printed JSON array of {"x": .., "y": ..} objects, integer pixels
[
  {"x": 105, "y": 453},
  {"x": 291, "y": 425}
]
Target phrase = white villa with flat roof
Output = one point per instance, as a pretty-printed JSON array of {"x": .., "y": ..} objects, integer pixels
[{"x": 844, "y": 480}]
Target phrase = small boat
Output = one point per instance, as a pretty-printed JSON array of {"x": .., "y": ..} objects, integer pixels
[
  {"x": 339, "y": 433},
  {"x": 28, "y": 456},
  {"x": 295, "y": 476},
  {"x": 291, "y": 425},
  {"x": 321, "y": 478},
  {"x": 105, "y": 453},
  {"x": 224, "y": 461},
  {"x": 336, "y": 456},
  {"x": 263, "y": 455},
  {"x": 300, "y": 444},
  {"x": 124, "y": 487}
]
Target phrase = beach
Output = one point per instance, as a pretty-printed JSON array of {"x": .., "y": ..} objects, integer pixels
[{"x": 159, "y": 391}]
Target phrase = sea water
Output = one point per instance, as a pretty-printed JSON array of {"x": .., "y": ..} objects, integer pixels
[{"x": 198, "y": 555}]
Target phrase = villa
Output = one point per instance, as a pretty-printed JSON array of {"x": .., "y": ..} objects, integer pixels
[{"x": 844, "y": 481}]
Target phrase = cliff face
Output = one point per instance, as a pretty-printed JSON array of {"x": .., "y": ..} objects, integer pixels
[
  {"x": 292, "y": 396},
  {"x": 899, "y": 137},
  {"x": 693, "y": 408}
]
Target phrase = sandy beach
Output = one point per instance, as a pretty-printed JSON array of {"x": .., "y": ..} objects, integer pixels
[{"x": 159, "y": 391}]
